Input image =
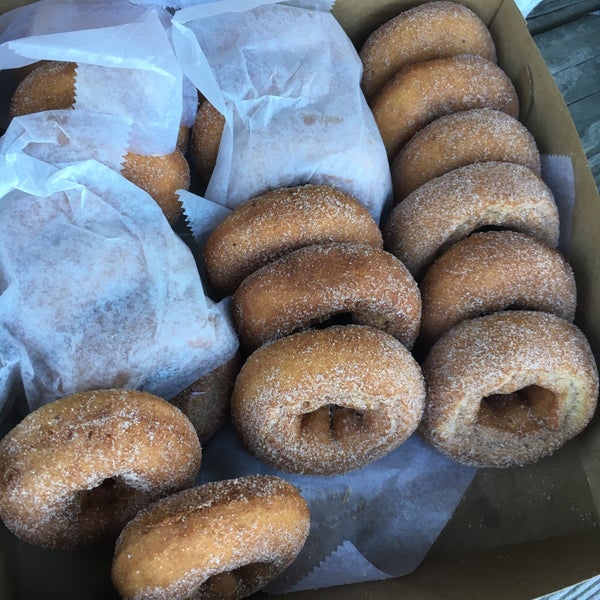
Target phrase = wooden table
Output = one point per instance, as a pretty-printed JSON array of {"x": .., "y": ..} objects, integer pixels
[{"x": 567, "y": 33}]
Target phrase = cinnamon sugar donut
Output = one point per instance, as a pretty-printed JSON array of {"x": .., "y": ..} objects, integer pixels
[
  {"x": 312, "y": 284},
  {"x": 460, "y": 139},
  {"x": 161, "y": 176},
  {"x": 422, "y": 92},
  {"x": 205, "y": 139},
  {"x": 279, "y": 221},
  {"x": 206, "y": 401},
  {"x": 51, "y": 86},
  {"x": 341, "y": 397},
  {"x": 449, "y": 208},
  {"x": 492, "y": 271},
  {"x": 431, "y": 30},
  {"x": 509, "y": 388},
  {"x": 222, "y": 541},
  {"x": 75, "y": 471}
]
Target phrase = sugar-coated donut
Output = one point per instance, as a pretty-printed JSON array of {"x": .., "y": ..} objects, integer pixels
[
  {"x": 206, "y": 401},
  {"x": 509, "y": 388},
  {"x": 459, "y": 139},
  {"x": 205, "y": 139},
  {"x": 452, "y": 206},
  {"x": 161, "y": 176},
  {"x": 74, "y": 471},
  {"x": 315, "y": 283},
  {"x": 431, "y": 30},
  {"x": 284, "y": 219},
  {"x": 492, "y": 271},
  {"x": 328, "y": 400},
  {"x": 51, "y": 86},
  {"x": 422, "y": 92},
  {"x": 223, "y": 540}
]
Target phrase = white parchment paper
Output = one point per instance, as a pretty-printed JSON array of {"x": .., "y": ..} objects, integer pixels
[
  {"x": 96, "y": 290},
  {"x": 126, "y": 64},
  {"x": 287, "y": 80}
]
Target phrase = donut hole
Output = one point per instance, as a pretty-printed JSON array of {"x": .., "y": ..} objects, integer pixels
[
  {"x": 341, "y": 318},
  {"x": 526, "y": 410},
  {"x": 106, "y": 494},
  {"x": 229, "y": 584},
  {"x": 331, "y": 421}
]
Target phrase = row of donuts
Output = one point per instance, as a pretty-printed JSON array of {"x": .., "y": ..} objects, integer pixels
[
  {"x": 499, "y": 393},
  {"x": 316, "y": 394},
  {"x": 119, "y": 467}
]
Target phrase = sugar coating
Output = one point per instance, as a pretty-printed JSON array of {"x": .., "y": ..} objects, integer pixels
[
  {"x": 161, "y": 176},
  {"x": 284, "y": 219},
  {"x": 314, "y": 283},
  {"x": 55, "y": 464},
  {"x": 498, "y": 355},
  {"x": 50, "y": 86},
  {"x": 493, "y": 271},
  {"x": 328, "y": 401},
  {"x": 205, "y": 139},
  {"x": 431, "y": 30},
  {"x": 422, "y": 92},
  {"x": 451, "y": 206},
  {"x": 222, "y": 540},
  {"x": 459, "y": 139}
]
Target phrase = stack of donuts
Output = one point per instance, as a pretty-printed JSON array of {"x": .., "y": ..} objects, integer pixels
[
  {"x": 317, "y": 395},
  {"x": 509, "y": 377}
]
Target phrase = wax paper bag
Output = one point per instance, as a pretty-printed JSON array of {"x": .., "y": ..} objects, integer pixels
[
  {"x": 96, "y": 290},
  {"x": 287, "y": 80}
]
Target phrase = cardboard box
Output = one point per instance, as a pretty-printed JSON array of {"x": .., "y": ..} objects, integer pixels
[{"x": 518, "y": 533}]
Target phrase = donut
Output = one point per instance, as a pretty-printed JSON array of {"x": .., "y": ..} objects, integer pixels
[
  {"x": 450, "y": 207},
  {"x": 223, "y": 540},
  {"x": 431, "y": 30},
  {"x": 161, "y": 176},
  {"x": 206, "y": 401},
  {"x": 51, "y": 86},
  {"x": 327, "y": 401},
  {"x": 205, "y": 139},
  {"x": 424, "y": 91},
  {"x": 459, "y": 139},
  {"x": 315, "y": 283},
  {"x": 284, "y": 219},
  {"x": 493, "y": 271},
  {"x": 507, "y": 389},
  {"x": 74, "y": 471}
]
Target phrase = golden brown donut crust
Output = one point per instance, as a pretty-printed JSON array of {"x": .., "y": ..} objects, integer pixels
[
  {"x": 49, "y": 86},
  {"x": 509, "y": 388},
  {"x": 75, "y": 471},
  {"x": 220, "y": 541},
  {"x": 284, "y": 219},
  {"x": 431, "y": 30},
  {"x": 452, "y": 206},
  {"x": 312, "y": 284},
  {"x": 492, "y": 271},
  {"x": 206, "y": 401},
  {"x": 342, "y": 397},
  {"x": 422, "y": 92},
  {"x": 205, "y": 139},
  {"x": 460, "y": 139},
  {"x": 161, "y": 176}
]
